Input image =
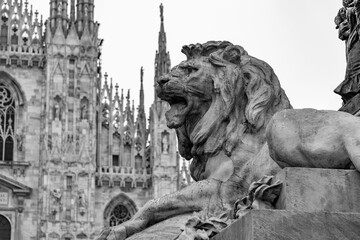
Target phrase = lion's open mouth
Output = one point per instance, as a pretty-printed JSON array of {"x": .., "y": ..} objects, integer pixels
[
  {"x": 179, "y": 107},
  {"x": 175, "y": 94}
]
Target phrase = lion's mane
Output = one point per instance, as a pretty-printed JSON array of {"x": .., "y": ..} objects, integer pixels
[{"x": 247, "y": 94}]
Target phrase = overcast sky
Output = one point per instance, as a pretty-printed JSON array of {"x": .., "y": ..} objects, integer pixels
[{"x": 297, "y": 38}]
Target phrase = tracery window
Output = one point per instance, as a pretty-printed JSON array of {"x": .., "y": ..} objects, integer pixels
[
  {"x": 7, "y": 124},
  {"x": 119, "y": 215}
]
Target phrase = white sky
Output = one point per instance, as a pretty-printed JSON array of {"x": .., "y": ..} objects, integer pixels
[{"x": 297, "y": 38}]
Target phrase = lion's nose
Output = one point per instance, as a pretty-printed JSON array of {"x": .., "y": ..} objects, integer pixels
[{"x": 163, "y": 80}]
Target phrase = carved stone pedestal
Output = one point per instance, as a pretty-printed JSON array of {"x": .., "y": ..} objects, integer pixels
[
  {"x": 311, "y": 189},
  {"x": 314, "y": 204},
  {"x": 294, "y": 225}
]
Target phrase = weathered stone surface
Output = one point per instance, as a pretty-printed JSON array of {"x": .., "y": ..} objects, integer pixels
[
  {"x": 307, "y": 189},
  {"x": 293, "y": 225}
]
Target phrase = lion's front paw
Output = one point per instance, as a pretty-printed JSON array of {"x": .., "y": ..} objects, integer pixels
[{"x": 116, "y": 233}]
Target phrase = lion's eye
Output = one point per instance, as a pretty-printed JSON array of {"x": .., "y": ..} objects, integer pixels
[{"x": 190, "y": 70}]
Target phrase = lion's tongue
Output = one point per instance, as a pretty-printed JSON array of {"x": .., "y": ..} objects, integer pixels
[
  {"x": 175, "y": 115},
  {"x": 175, "y": 109}
]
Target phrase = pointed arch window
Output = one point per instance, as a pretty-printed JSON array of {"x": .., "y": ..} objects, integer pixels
[{"x": 7, "y": 124}]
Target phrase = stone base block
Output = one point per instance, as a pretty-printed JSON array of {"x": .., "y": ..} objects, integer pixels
[
  {"x": 293, "y": 225},
  {"x": 310, "y": 189}
]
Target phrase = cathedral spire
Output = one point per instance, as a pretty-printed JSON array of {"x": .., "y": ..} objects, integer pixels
[
  {"x": 162, "y": 18},
  {"x": 162, "y": 34},
  {"x": 162, "y": 58},
  {"x": 142, "y": 101}
]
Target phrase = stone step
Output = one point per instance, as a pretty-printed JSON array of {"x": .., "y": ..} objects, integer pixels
[
  {"x": 310, "y": 189},
  {"x": 292, "y": 225}
]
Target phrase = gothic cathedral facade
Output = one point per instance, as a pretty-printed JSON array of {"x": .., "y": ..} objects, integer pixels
[{"x": 75, "y": 156}]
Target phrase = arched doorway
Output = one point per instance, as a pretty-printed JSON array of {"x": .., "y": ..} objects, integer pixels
[{"x": 5, "y": 228}]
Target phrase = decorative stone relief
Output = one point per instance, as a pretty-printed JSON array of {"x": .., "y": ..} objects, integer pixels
[
  {"x": 262, "y": 195},
  {"x": 56, "y": 196},
  {"x": 82, "y": 202},
  {"x": 127, "y": 138}
]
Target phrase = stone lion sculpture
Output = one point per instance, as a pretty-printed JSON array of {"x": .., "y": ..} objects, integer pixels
[{"x": 221, "y": 102}]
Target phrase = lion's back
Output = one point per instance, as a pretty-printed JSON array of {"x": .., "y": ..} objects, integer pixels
[{"x": 310, "y": 138}]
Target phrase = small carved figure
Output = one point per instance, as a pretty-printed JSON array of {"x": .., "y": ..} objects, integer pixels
[
  {"x": 84, "y": 112},
  {"x": 20, "y": 141},
  {"x": 165, "y": 144},
  {"x": 56, "y": 195},
  {"x": 82, "y": 202},
  {"x": 60, "y": 8},
  {"x": 57, "y": 112},
  {"x": 86, "y": 11}
]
